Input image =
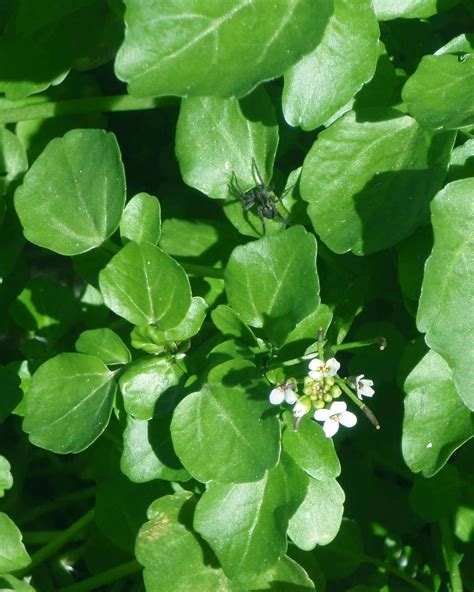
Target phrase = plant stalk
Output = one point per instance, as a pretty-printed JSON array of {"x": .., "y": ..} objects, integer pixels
[
  {"x": 371, "y": 417},
  {"x": 106, "y": 577},
  {"x": 450, "y": 558}
]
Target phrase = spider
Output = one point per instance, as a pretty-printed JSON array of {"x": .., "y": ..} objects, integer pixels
[{"x": 262, "y": 197}]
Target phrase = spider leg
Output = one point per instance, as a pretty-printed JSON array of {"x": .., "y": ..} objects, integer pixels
[{"x": 256, "y": 174}]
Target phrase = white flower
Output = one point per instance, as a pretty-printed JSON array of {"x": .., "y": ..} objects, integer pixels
[
  {"x": 363, "y": 386},
  {"x": 302, "y": 407},
  {"x": 334, "y": 416},
  {"x": 319, "y": 369},
  {"x": 283, "y": 392}
]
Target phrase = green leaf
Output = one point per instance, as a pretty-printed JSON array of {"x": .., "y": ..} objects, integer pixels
[
  {"x": 117, "y": 497},
  {"x": 45, "y": 308},
  {"x": 105, "y": 345},
  {"x": 13, "y": 554},
  {"x": 40, "y": 43},
  {"x": 148, "y": 385},
  {"x": 11, "y": 392},
  {"x": 284, "y": 576},
  {"x": 148, "y": 452},
  {"x": 246, "y": 523},
  {"x": 439, "y": 94},
  {"x": 461, "y": 44},
  {"x": 438, "y": 497},
  {"x": 436, "y": 421},
  {"x": 73, "y": 195},
  {"x": 13, "y": 160},
  {"x": 445, "y": 313},
  {"x": 217, "y": 137},
  {"x": 326, "y": 79},
  {"x": 264, "y": 281},
  {"x": 72, "y": 421},
  {"x": 204, "y": 54},
  {"x": 388, "y": 9},
  {"x": 148, "y": 337},
  {"x": 173, "y": 556},
  {"x": 370, "y": 177},
  {"x": 145, "y": 286},
  {"x": 318, "y": 519},
  {"x": 311, "y": 450},
  {"x": 222, "y": 434},
  {"x": 461, "y": 163},
  {"x": 6, "y": 479},
  {"x": 231, "y": 325},
  {"x": 141, "y": 220},
  {"x": 15, "y": 584}
]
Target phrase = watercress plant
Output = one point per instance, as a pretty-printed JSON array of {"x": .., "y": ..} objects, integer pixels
[{"x": 236, "y": 264}]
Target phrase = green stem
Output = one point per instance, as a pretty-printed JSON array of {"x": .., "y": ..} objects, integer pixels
[
  {"x": 396, "y": 572},
  {"x": 38, "y": 108},
  {"x": 57, "y": 543},
  {"x": 202, "y": 270},
  {"x": 106, "y": 577},
  {"x": 39, "y": 511},
  {"x": 373, "y": 420},
  {"x": 380, "y": 341},
  {"x": 450, "y": 558}
]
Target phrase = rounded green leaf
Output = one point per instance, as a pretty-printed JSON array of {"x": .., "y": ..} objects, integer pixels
[
  {"x": 311, "y": 450},
  {"x": 222, "y": 434},
  {"x": 318, "y": 519},
  {"x": 445, "y": 312},
  {"x": 69, "y": 403},
  {"x": 146, "y": 286},
  {"x": 461, "y": 163},
  {"x": 436, "y": 422},
  {"x": 105, "y": 345},
  {"x": 389, "y": 9},
  {"x": 148, "y": 386},
  {"x": 284, "y": 576},
  {"x": 173, "y": 556},
  {"x": 230, "y": 324},
  {"x": 6, "y": 479},
  {"x": 13, "y": 554},
  {"x": 148, "y": 452},
  {"x": 370, "y": 177},
  {"x": 273, "y": 282},
  {"x": 141, "y": 220},
  {"x": 13, "y": 160},
  {"x": 217, "y": 137},
  {"x": 246, "y": 523},
  {"x": 221, "y": 48},
  {"x": 72, "y": 198},
  {"x": 326, "y": 79},
  {"x": 440, "y": 93}
]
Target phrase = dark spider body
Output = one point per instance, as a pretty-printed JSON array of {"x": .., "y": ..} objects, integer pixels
[{"x": 261, "y": 197}]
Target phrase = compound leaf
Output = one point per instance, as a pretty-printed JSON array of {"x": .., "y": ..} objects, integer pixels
[
  {"x": 326, "y": 79},
  {"x": 146, "y": 286},
  {"x": 172, "y": 50},
  {"x": 69, "y": 403},
  {"x": 369, "y": 179},
  {"x": 72, "y": 198},
  {"x": 445, "y": 312}
]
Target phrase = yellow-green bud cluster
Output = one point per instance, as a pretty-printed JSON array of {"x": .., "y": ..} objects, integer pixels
[{"x": 321, "y": 392}]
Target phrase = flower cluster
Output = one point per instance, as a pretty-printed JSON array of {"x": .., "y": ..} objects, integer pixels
[{"x": 321, "y": 387}]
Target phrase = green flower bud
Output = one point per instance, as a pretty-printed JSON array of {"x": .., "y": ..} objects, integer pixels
[
  {"x": 327, "y": 398},
  {"x": 319, "y": 404},
  {"x": 335, "y": 391},
  {"x": 329, "y": 381}
]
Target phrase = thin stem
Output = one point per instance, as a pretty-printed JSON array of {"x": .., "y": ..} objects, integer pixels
[
  {"x": 52, "y": 506},
  {"x": 396, "y": 572},
  {"x": 57, "y": 543},
  {"x": 106, "y": 577},
  {"x": 450, "y": 558},
  {"x": 38, "y": 108},
  {"x": 380, "y": 341},
  {"x": 373, "y": 420},
  {"x": 202, "y": 270}
]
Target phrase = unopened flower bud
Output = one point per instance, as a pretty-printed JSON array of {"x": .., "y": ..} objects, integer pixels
[{"x": 335, "y": 391}]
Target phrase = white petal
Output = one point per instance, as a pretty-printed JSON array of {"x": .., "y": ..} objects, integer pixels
[
  {"x": 330, "y": 427},
  {"x": 316, "y": 374},
  {"x": 300, "y": 409},
  {"x": 290, "y": 396},
  {"x": 348, "y": 419},
  {"x": 277, "y": 396},
  {"x": 337, "y": 407},
  {"x": 316, "y": 364},
  {"x": 333, "y": 366},
  {"x": 365, "y": 390},
  {"x": 321, "y": 414}
]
